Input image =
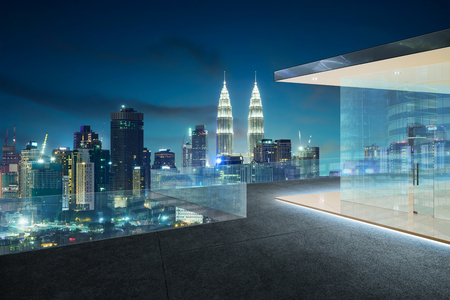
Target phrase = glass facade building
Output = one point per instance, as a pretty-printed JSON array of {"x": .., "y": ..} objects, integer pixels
[{"x": 395, "y": 122}]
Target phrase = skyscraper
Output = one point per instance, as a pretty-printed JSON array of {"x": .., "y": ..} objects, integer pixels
[
  {"x": 224, "y": 133},
  {"x": 85, "y": 186},
  {"x": 78, "y": 157},
  {"x": 255, "y": 121},
  {"x": 283, "y": 150},
  {"x": 186, "y": 150},
  {"x": 9, "y": 155},
  {"x": 146, "y": 164},
  {"x": 62, "y": 156},
  {"x": 164, "y": 159},
  {"x": 200, "y": 146},
  {"x": 264, "y": 151},
  {"x": 127, "y": 144},
  {"x": 86, "y": 138}
]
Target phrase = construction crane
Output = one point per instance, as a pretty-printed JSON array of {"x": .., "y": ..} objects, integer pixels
[{"x": 43, "y": 146}]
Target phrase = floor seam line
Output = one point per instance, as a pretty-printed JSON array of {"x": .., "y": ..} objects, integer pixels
[
  {"x": 163, "y": 265},
  {"x": 248, "y": 240}
]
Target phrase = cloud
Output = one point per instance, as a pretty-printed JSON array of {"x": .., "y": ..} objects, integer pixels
[
  {"x": 168, "y": 48},
  {"x": 170, "y": 51},
  {"x": 324, "y": 98},
  {"x": 91, "y": 106}
]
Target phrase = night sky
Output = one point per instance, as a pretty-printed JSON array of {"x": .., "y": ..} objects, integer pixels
[{"x": 64, "y": 64}]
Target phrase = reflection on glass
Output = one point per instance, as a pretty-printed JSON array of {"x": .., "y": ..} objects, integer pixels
[{"x": 390, "y": 120}]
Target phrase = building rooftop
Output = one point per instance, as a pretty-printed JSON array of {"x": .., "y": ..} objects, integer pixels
[{"x": 280, "y": 251}]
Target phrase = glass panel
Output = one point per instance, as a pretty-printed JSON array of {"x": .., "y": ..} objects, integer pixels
[
  {"x": 40, "y": 222},
  {"x": 390, "y": 120}
]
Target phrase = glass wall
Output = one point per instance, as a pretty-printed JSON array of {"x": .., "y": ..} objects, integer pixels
[{"x": 395, "y": 140}]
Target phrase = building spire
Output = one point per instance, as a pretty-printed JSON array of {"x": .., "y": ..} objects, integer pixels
[
  {"x": 224, "y": 133},
  {"x": 255, "y": 121}
]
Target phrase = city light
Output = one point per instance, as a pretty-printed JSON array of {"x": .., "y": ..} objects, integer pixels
[
  {"x": 219, "y": 160},
  {"x": 52, "y": 159},
  {"x": 40, "y": 161}
]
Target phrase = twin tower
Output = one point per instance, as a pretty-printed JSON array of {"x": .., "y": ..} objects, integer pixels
[{"x": 224, "y": 132}]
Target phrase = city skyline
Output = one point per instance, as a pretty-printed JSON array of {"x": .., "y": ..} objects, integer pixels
[{"x": 57, "y": 73}]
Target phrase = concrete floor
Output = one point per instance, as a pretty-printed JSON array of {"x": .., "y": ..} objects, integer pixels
[{"x": 280, "y": 251}]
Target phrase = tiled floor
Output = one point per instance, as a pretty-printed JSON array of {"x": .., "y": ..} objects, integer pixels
[{"x": 424, "y": 226}]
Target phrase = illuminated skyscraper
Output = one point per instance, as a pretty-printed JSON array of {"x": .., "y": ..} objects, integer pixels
[
  {"x": 186, "y": 150},
  {"x": 164, "y": 159},
  {"x": 224, "y": 133},
  {"x": 200, "y": 146},
  {"x": 127, "y": 144},
  {"x": 255, "y": 121},
  {"x": 86, "y": 138}
]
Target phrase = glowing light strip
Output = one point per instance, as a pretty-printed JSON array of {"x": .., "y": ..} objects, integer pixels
[{"x": 366, "y": 223}]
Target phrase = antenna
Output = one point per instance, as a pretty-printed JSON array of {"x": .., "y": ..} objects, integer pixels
[
  {"x": 6, "y": 137},
  {"x": 224, "y": 81},
  {"x": 14, "y": 139},
  {"x": 103, "y": 130},
  {"x": 255, "y": 77}
]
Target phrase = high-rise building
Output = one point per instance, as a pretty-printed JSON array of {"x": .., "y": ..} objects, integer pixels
[
  {"x": 31, "y": 152},
  {"x": 312, "y": 156},
  {"x": 308, "y": 153},
  {"x": 255, "y": 121},
  {"x": 224, "y": 132},
  {"x": 146, "y": 164},
  {"x": 86, "y": 138},
  {"x": 138, "y": 181},
  {"x": 400, "y": 157},
  {"x": 264, "y": 151},
  {"x": 40, "y": 179},
  {"x": 282, "y": 150},
  {"x": 101, "y": 159},
  {"x": 65, "y": 193},
  {"x": 9, "y": 182},
  {"x": 127, "y": 144},
  {"x": 186, "y": 151},
  {"x": 85, "y": 186},
  {"x": 62, "y": 156},
  {"x": 229, "y": 160},
  {"x": 164, "y": 159},
  {"x": 78, "y": 156},
  {"x": 200, "y": 146},
  {"x": 9, "y": 155}
]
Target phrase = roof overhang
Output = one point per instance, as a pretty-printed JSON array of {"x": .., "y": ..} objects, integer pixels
[{"x": 412, "y": 53}]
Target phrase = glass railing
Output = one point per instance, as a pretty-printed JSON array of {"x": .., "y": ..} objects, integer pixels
[
  {"x": 244, "y": 173},
  {"x": 40, "y": 222},
  {"x": 178, "y": 198}
]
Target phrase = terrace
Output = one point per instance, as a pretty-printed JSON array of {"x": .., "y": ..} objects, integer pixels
[{"x": 278, "y": 251}]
